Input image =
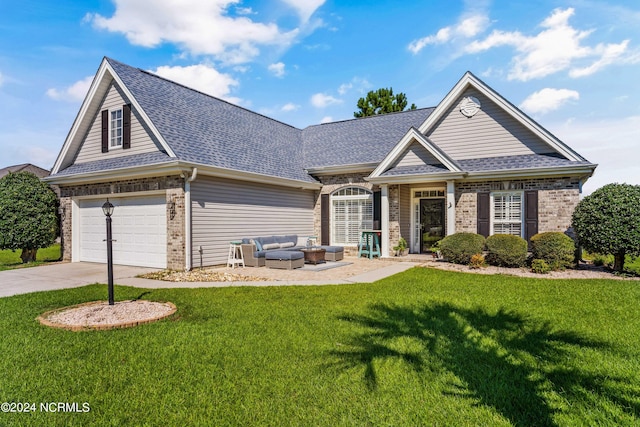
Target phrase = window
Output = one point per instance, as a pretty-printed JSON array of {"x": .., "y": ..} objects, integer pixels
[
  {"x": 352, "y": 212},
  {"x": 507, "y": 213},
  {"x": 115, "y": 128}
]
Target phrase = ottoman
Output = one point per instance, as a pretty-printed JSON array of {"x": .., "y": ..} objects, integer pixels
[
  {"x": 287, "y": 260},
  {"x": 333, "y": 253}
]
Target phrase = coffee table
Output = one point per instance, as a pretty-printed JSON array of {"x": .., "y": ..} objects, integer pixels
[{"x": 314, "y": 255}]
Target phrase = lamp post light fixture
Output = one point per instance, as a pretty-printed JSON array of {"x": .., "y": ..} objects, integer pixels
[{"x": 107, "y": 208}]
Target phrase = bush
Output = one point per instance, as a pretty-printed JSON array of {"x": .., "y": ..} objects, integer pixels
[
  {"x": 477, "y": 261},
  {"x": 506, "y": 250},
  {"x": 460, "y": 247},
  {"x": 556, "y": 249},
  {"x": 540, "y": 266}
]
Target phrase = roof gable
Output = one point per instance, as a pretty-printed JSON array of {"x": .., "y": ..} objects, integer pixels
[
  {"x": 515, "y": 124},
  {"x": 416, "y": 151},
  {"x": 89, "y": 109}
]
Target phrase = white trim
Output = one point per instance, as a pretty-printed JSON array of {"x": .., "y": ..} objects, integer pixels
[
  {"x": 415, "y": 203},
  {"x": 188, "y": 236},
  {"x": 414, "y": 135},
  {"x": 492, "y": 218},
  {"x": 75, "y": 227},
  {"x": 384, "y": 220},
  {"x": 175, "y": 168},
  {"x": 451, "y": 207},
  {"x": 110, "y": 130},
  {"x": 469, "y": 80},
  {"x": 332, "y": 220},
  {"x": 334, "y": 170}
]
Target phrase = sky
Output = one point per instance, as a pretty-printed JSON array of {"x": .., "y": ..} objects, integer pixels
[{"x": 571, "y": 65}]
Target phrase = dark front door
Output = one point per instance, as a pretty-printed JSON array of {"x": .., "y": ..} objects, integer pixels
[{"x": 431, "y": 222}]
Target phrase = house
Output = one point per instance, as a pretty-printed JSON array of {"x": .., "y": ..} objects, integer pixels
[
  {"x": 188, "y": 173},
  {"x": 25, "y": 167}
]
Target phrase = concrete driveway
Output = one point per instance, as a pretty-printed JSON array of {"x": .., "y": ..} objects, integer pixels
[{"x": 61, "y": 276}]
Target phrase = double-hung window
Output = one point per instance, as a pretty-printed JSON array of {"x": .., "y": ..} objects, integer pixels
[
  {"x": 507, "y": 213},
  {"x": 115, "y": 128},
  {"x": 352, "y": 212}
]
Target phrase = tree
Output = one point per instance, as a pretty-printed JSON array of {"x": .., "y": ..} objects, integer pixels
[
  {"x": 28, "y": 219},
  {"x": 608, "y": 222},
  {"x": 382, "y": 101}
]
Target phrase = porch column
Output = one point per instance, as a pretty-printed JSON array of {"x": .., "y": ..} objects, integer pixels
[
  {"x": 451, "y": 207},
  {"x": 384, "y": 219}
]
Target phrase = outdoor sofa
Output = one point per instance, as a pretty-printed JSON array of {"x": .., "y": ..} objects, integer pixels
[{"x": 255, "y": 250}]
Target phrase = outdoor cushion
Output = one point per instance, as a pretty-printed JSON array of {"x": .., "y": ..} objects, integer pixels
[
  {"x": 266, "y": 240},
  {"x": 268, "y": 246},
  {"x": 333, "y": 249},
  {"x": 284, "y": 255},
  {"x": 287, "y": 245}
]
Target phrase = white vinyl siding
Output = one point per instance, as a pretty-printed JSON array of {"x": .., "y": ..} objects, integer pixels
[
  {"x": 224, "y": 210},
  {"x": 351, "y": 212},
  {"x": 416, "y": 155},
  {"x": 492, "y": 132},
  {"x": 91, "y": 149},
  {"x": 507, "y": 213}
]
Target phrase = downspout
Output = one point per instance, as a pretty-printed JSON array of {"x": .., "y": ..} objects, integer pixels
[{"x": 188, "y": 239}]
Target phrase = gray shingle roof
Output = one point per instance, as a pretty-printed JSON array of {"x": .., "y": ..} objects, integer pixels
[
  {"x": 357, "y": 141},
  {"x": 143, "y": 159},
  {"x": 206, "y": 130},
  {"x": 529, "y": 161},
  {"x": 202, "y": 129}
]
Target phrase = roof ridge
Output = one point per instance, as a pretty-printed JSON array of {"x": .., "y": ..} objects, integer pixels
[{"x": 375, "y": 116}]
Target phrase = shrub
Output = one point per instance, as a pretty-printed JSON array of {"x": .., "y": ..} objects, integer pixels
[
  {"x": 506, "y": 250},
  {"x": 477, "y": 261},
  {"x": 600, "y": 260},
  {"x": 557, "y": 249},
  {"x": 460, "y": 247},
  {"x": 540, "y": 266}
]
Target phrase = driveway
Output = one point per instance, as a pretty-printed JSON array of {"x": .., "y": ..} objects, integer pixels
[{"x": 61, "y": 276}]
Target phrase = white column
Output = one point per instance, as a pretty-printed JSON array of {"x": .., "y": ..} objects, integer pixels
[
  {"x": 384, "y": 217},
  {"x": 451, "y": 208}
]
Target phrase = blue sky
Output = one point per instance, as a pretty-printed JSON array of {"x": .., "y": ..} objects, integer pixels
[{"x": 571, "y": 65}]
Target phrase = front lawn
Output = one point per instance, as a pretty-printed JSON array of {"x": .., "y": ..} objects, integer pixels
[
  {"x": 11, "y": 259},
  {"x": 425, "y": 347}
]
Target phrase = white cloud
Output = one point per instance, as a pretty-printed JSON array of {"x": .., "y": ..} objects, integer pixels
[
  {"x": 556, "y": 48},
  {"x": 201, "y": 77},
  {"x": 198, "y": 27},
  {"x": 607, "y": 143},
  {"x": 466, "y": 28},
  {"x": 326, "y": 119},
  {"x": 547, "y": 100},
  {"x": 360, "y": 84},
  {"x": 75, "y": 92},
  {"x": 277, "y": 69},
  {"x": 290, "y": 107},
  {"x": 320, "y": 100},
  {"x": 1, "y": 79},
  {"x": 305, "y": 8}
]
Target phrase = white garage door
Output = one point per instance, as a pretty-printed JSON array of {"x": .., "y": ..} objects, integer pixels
[{"x": 139, "y": 230}]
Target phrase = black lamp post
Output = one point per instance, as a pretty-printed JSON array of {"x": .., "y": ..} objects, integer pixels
[{"x": 107, "y": 208}]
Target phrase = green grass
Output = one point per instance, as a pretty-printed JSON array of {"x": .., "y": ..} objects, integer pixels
[
  {"x": 11, "y": 259},
  {"x": 425, "y": 347}
]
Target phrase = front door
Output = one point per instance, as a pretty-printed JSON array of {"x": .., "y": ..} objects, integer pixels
[{"x": 431, "y": 222}]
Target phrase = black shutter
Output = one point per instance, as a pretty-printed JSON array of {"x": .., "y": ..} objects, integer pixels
[
  {"x": 377, "y": 210},
  {"x": 126, "y": 126},
  {"x": 530, "y": 214},
  {"x": 105, "y": 131},
  {"x": 484, "y": 213},
  {"x": 324, "y": 219}
]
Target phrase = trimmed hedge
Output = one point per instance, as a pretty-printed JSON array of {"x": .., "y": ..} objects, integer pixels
[
  {"x": 506, "y": 250},
  {"x": 460, "y": 247},
  {"x": 557, "y": 249}
]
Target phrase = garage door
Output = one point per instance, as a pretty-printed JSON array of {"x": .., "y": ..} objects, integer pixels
[{"x": 139, "y": 231}]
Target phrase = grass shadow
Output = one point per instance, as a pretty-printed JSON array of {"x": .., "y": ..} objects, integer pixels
[{"x": 523, "y": 368}]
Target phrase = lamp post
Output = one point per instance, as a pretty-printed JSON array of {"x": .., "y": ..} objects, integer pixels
[{"x": 107, "y": 208}]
